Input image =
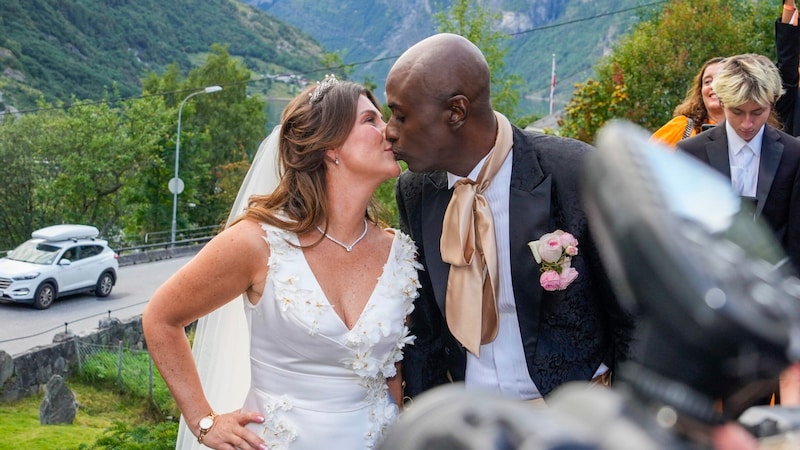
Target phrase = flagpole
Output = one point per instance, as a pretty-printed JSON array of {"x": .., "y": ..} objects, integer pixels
[{"x": 553, "y": 84}]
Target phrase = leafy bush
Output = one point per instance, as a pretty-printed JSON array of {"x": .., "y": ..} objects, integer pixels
[
  {"x": 651, "y": 69},
  {"x": 123, "y": 436}
]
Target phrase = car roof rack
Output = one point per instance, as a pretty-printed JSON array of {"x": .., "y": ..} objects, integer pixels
[{"x": 66, "y": 232}]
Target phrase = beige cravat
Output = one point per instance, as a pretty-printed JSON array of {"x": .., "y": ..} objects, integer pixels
[{"x": 468, "y": 245}]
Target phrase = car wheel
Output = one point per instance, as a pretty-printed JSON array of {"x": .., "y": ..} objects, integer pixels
[
  {"x": 104, "y": 285},
  {"x": 44, "y": 297}
]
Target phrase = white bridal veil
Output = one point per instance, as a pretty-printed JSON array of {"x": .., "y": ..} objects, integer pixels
[{"x": 221, "y": 342}]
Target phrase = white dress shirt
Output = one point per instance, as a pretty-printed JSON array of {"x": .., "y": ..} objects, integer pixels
[
  {"x": 502, "y": 366},
  {"x": 744, "y": 163}
]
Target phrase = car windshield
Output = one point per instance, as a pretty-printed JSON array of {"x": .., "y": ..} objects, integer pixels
[{"x": 34, "y": 252}]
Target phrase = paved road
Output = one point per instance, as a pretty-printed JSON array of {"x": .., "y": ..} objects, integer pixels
[{"x": 24, "y": 327}]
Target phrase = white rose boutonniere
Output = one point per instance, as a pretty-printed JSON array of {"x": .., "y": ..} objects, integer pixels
[{"x": 554, "y": 251}]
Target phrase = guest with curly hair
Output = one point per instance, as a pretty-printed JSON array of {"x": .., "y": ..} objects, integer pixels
[{"x": 700, "y": 107}]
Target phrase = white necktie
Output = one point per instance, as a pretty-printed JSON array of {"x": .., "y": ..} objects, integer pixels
[{"x": 744, "y": 176}]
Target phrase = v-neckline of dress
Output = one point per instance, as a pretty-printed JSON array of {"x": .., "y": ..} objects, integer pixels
[{"x": 331, "y": 307}]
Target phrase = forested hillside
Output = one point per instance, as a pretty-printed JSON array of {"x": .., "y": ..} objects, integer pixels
[
  {"x": 371, "y": 34},
  {"x": 63, "y": 48},
  {"x": 60, "y": 48}
]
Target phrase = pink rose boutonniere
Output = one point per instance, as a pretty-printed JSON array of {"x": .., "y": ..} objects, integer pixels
[{"x": 554, "y": 251}]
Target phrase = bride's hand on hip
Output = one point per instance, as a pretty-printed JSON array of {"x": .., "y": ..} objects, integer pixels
[{"x": 229, "y": 432}]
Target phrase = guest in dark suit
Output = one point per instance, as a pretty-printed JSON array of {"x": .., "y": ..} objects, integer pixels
[
  {"x": 787, "y": 45},
  {"x": 763, "y": 163},
  {"x": 525, "y": 334}
]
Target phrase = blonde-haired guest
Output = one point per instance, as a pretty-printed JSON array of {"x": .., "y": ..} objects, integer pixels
[{"x": 762, "y": 162}]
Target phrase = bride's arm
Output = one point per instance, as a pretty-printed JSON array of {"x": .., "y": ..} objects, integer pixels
[{"x": 233, "y": 262}]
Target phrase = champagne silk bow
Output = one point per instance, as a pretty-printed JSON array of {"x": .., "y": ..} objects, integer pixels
[{"x": 468, "y": 245}]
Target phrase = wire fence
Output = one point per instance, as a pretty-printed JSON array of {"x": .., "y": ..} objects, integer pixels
[
  {"x": 128, "y": 370},
  {"x": 127, "y": 366}
]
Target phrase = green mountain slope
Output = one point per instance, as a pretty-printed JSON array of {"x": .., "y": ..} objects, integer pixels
[
  {"x": 61, "y": 48},
  {"x": 373, "y": 33}
]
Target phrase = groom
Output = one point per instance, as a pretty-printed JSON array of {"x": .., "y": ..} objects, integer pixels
[{"x": 483, "y": 315}]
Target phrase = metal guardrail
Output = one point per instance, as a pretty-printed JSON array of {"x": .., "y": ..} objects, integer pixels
[
  {"x": 160, "y": 240},
  {"x": 164, "y": 236},
  {"x": 163, "y": 245}
]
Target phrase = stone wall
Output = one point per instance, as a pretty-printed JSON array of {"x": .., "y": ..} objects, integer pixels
[{"x": 26, "y": 373}]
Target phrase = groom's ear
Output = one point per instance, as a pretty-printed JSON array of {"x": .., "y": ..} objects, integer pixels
[{"x": 458, "y": 110}]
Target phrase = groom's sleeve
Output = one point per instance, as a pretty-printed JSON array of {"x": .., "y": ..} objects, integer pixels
[{"x": 424, "y": 362}]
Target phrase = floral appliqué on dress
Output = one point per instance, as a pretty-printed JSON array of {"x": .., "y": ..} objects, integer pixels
[
  {"x": 280, "y": 435},
  {"x": 371, "y": 327},
  {"x": 397, "y": 283}
]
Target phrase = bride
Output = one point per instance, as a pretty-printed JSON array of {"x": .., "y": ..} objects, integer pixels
[{"x": 326, "y": 292}]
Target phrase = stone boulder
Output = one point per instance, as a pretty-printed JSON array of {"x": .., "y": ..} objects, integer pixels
[
  {"x": 58, "y": 405},
  {"x": 108, "y": 322},
  {"x": 6, "y": 367}
]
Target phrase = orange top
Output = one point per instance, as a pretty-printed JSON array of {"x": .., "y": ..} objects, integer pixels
[{"x": 672, "y": 132}]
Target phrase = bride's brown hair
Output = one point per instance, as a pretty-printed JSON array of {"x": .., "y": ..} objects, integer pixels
[{"x": 309, "y": 127}]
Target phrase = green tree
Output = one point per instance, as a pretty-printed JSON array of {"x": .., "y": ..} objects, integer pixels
[
  {"x": 469, "y": 18},
  {"x": 334, "y": 63},
  {"x": 75, "y": 164},
  {"x": 149, "y": 123},
  {"x": 236, "y": 124},
  {"x": 650, "y": 70},
  {"x": 20, "y": 141},
  {"x": 107, "y": 164},
  {"x": 100, "y": 149},
  {"x": 220, "y": 133}
]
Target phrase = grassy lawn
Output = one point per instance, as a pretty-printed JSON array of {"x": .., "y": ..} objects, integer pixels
[
  {"x": 99, "y": 409},
  {"x": 117, "y": 408},
  {"x": 112, "y": 414}
]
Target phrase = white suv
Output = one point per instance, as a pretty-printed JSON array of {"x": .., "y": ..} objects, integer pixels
[{"x": 59, "y": 260}]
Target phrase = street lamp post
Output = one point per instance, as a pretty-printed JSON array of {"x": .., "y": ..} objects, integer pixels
[{"x": 176, "y": 184}]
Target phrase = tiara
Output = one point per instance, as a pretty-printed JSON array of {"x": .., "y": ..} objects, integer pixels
[{"x": 322, "y": 87}]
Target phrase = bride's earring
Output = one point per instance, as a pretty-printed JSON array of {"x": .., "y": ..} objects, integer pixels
[{"x": 336, "y": 160}]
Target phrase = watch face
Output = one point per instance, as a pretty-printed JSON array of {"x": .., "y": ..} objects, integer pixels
[{"x": 206, "y": 422}]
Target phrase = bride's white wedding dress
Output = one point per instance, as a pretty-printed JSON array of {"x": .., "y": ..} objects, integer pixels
[{"x": 318, "y": 383}]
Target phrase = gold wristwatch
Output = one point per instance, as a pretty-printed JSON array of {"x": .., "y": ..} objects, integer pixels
[{"x": 205, "y": 425}]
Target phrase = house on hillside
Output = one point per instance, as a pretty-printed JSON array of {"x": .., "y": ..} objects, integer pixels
[{"x": 547, "y": 124}]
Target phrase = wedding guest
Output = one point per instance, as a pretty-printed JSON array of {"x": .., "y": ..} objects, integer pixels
[
  {"x": 762, "y": 162},
  {"x": 787, "y": 44},
  {"x": 699, "y": 107}
]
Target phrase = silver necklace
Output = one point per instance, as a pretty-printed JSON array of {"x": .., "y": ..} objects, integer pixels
[{"x": 349, "y": 248}]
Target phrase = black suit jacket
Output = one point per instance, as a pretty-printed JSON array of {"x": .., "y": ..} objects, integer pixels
[
  {"x": 566, "y": 334},
  {"x": 778, "y": 190},
  {"x": 787, "y": 44}
]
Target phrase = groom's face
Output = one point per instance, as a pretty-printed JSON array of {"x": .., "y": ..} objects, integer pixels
[{"x": 417, "y": 128}]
